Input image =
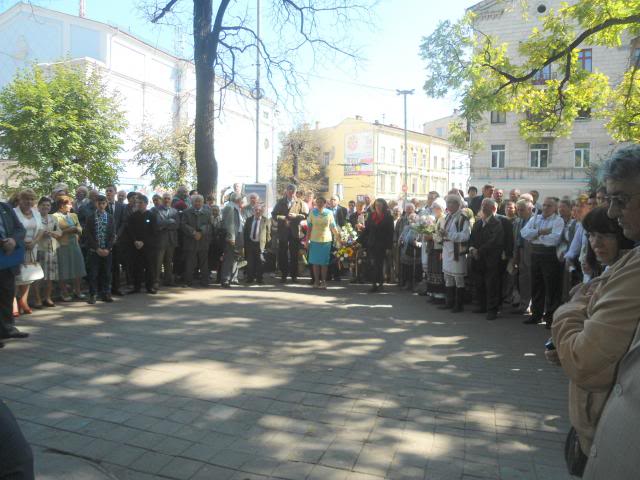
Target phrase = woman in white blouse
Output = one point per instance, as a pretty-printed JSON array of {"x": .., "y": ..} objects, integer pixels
[{"x": 32, "y": 223}]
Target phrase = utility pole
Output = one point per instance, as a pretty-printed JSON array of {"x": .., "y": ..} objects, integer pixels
[
  {"x": 83, "y": 12},
  {"x": 404, "y": 93},
  {"x": 258, "y": 91}
]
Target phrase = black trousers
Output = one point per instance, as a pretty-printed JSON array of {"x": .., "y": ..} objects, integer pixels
[
  {"x": 255, "y": 262},
  {"x": 487, "y": 279},
  {"x": 288, "y": 250},
  {"x": 99, "y": 273},
  {"x": 546, "y": 284},
  {"x": 116, "y": 257},
  {"x": 7, "y": 294},
  {"x": 377, "y": 267},
  {"x": 16, "y": 458},
  {"x": 143, "y": 263}
]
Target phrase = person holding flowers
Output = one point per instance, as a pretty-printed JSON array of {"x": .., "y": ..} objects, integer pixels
[
  {"x": 435, "y": 277},
  {"x": 321, "y": 224},
  {"x": 377, "y": 238}
]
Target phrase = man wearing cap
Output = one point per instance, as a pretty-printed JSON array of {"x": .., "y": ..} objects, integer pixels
[
  {"x": 289, "y": 211},
  {"x": 455, "y": 238}
]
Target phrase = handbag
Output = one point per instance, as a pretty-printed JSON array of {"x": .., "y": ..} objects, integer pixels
[
  {"x": 13, "y": 260},
  {"x": 573, "y": 455},
  {"x": 30, "y": 271}
]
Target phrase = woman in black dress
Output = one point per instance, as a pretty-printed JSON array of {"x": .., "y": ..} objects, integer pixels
[{"x": 377, "y": 238}]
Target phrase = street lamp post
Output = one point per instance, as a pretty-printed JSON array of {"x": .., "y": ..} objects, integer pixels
[{"x": 404, "y": 93}]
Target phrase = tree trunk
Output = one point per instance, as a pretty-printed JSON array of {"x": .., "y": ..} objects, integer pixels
[{"x": 206, "y": 165}]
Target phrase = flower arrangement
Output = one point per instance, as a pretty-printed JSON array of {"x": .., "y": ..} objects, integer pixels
[
  {"x": 348, "y": 236},
  {"x": 426, "y": 225},
  {"x": 348, "y": 244}
]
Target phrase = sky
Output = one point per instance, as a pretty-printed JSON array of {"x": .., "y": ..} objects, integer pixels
[{"x": 389, "y": 50}]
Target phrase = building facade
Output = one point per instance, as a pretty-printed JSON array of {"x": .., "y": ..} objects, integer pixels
[
  {"x": 553, "y": 165},
  {"x": 364, "y": 158},
  {"x": 156, "y": 88}
]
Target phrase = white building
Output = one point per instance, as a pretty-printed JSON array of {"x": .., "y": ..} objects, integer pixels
[
  {"x": 553, "y": 165},
  {"x": 156, "y": 87}
]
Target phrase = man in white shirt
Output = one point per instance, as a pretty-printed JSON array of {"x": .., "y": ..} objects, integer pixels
[{"x": 544, "y": 232}]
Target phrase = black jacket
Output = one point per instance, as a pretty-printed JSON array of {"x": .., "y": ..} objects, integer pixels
[
  {"x": 12, "y": 226},
  {"x": 141, "y": 226},
  {"x": 89, "y": 232},
  {"x": 488, "y": 240},
  {"x": 341, "y": 216},
  {"x": 377, "y": 238}
]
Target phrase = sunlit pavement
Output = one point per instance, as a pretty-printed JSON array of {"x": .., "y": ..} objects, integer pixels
[{"x": 284, "y": 382}]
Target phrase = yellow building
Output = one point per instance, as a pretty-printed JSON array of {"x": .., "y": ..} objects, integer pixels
[{"x": 364, "y": 158}]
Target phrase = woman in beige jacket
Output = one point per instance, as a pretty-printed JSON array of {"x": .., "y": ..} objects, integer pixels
[{"x": 590, "y": 345}]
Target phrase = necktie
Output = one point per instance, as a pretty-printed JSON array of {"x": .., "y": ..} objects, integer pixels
[
  {"x": 255, "y": 229},
  {"x": 111, "y": 208}
]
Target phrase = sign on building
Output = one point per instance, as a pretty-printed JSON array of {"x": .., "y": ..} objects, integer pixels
[{"x": 358, "y": 153}]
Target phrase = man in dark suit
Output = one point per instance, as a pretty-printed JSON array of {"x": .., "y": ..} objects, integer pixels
[
  {"x": 289, "y": 212},
  {"x": 141, "y": 235},
  {"x": 116, "y": 210},
  {"x": 487, "y": 245},
  {"x": 196, "y": 225},
  {"x": 11, "y": 237},
  {"x": 257, "y": 234},
  {"x": 99, "y": 235},
  {"x": 476, "y": 202}
]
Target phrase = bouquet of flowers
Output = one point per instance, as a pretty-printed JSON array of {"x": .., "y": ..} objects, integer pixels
[
  {"x": 346, "y": 254},
  {"x": 348, "y": 236},
  {"x": 426, "y": 225}
]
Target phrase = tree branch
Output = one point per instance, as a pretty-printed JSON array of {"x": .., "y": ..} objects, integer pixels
[{"x": 166, "y": 9}]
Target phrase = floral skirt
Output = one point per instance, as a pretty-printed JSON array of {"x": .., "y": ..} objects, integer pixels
[
  {"x": 435, "y": 277},
  {"x": 48, "y": 260}
]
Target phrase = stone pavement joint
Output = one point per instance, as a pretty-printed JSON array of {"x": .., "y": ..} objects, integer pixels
[{"x": 284, "y": 382}]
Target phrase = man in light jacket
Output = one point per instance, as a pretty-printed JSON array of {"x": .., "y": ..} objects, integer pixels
[{"x": 233, "y": 224}]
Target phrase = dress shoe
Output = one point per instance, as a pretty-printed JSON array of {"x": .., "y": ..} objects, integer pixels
[
  {"x": 283, "y": 280},
  {"x": 134, "y": 291},
  {"x": 152, "y": 291},
  {"x": 532, "y": 320},
  {"x": 107, "y": 298},
  {"x": 492, "y": 315},
  {"x": 260, "y": 282},
  {"x": 117, "y": 293},
  {"x": 92, "y": 300},
  {"x": 80, "y": 296},
  {"x": 15, "y": 333},
  {"x": 479, "y": 310},
  {"x": 373, "y": 289},
  {"x": 48, "y": 303},
  {"x": 225, "y": 285}
]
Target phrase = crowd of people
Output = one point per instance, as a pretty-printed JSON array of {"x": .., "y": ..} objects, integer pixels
[{"x": 567, "y": 263}]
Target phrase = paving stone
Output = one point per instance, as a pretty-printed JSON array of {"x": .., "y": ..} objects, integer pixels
[{"x": 181, "y": 468}]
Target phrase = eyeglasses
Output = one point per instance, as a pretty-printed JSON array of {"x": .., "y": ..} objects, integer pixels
[{"x": 620, "y": 200}]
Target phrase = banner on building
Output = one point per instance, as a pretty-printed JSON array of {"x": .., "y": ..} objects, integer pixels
[{"x": 358, "y": 154}]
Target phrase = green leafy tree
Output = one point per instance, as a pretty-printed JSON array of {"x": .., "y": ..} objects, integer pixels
[
  {"x": 60, "y": 125},
  {"x": 167, "y": 155},
  {"x": 299, "y": 162},
  {"x": 479, "y": 69}
]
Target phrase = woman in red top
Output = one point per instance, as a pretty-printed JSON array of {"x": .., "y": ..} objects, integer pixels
[{"x": 377, "y": 238}]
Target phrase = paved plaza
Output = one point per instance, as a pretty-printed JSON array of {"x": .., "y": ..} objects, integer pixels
[{"x": 284, "y": 382}]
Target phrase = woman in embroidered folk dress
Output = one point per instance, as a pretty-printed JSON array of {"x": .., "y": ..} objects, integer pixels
[
  {"x": 435, "y": 277},
  {"x": 70, "y": 261},
  {"x": 47, "y": 253},
  {"x": 321, "y": 225},
  {"x": 30, "y": 219},
  {"x": 455, "y": 235}
]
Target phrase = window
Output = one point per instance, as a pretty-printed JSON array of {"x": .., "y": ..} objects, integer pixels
[
  {"x": 414, "y": 185},
  {"x": 440, "y": 132},
  {"x": 393, "y": 155},
  {"x": 582, "y": 155},
  {"x": 424, "y": 160},
  {"x": 383, "y": 155},
  {"x": 381, "y": 182},
  {"x": 584, "y": 59},
  {"x": 584, "y": 114},
  {"x": 443, "y": 164},
  {"x": 326, "y": 158},
  {"x": 392, "y": 184},
  {"x": 415, "y": 157},
  {"x": 435, "y": 163},
  {"x": 338, "y": 189},
  {"x": 542, "y": 75},
  {"x": 498, "y": 117},
  {"x": 425, "y": 188},
  {"x": 539, "y": 155},
  {"x": 498, "y": 155}
]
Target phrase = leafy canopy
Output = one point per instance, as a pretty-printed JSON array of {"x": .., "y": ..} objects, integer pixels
[
  {"x": 299, "y": 161},
  {"x": 167, "y": 155},
  {"x": 544, "y": 80},
  {"x": 60, "y": 125}
]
